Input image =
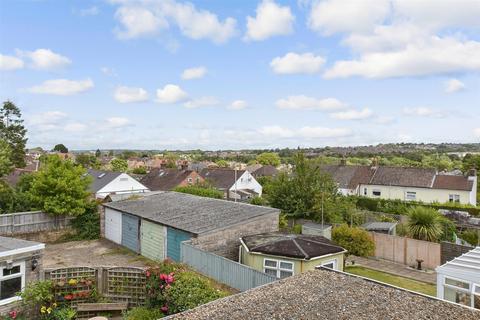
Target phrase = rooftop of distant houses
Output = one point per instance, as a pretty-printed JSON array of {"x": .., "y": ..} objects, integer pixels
[
  {"x": 328, "y": 294},
  {"x": 222, "y": 178},
  {"x": 165, "y": 179}
]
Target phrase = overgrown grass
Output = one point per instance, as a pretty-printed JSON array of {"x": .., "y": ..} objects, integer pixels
[{"x": 402, "y": 282}]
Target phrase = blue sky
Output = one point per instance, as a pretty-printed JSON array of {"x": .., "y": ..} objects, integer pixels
[{"x": 250, "y": 74}]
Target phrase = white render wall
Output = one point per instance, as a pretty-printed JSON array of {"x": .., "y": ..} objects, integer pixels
[
  {"x": 247, "y": 181},
  {"x": 121, "y": 185}
]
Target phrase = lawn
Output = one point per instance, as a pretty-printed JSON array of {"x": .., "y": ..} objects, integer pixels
[{"x": 401, "y": 282}]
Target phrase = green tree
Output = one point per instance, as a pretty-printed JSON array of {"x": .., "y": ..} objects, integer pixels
[
  {"x": 269, "y": 158},
  {"x": 424, "y": 224},
  {"x": 355, "y": 240},
  {"x": 61, "y": 187},
  {"x": 60, "y": 148},
  {"x": 87, "y": 161},
  {"x": 6, "y": 165},
  {"x": 13, "y": 132},
  {"x": 119, "y": 165},
  {"x": 222, "y": 163}
]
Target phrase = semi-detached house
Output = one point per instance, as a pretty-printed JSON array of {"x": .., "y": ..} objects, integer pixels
[{"x": 409, "y": 184}]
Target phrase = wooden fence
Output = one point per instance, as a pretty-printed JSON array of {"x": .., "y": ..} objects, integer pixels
[
  {"x": 231, "y": 273},
  {"x": 406, "y": 251},
  {"x": 31, "y": 222}
]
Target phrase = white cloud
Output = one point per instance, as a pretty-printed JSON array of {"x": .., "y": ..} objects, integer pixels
[
  {"x": 149, "y": 17},
  {"x": 116, "y": 122},
  {"x": 302, "y": 102},
  {"x": 476, "y": 132},
  {"x": 331, "y": 16},
  {"x": 276, "y": 132},
  {"x": 45, "y": 59},
  {"x": 237, "y": 105},
  {"x": 130, "y": 94},
  {"x": 352, "y": 114},
  {"x": 194, "y": 73},
  {"x": 171, "y": 94},
  {"x": 423, "y": 112},
  {"x": 62, "y": 87},
  {"x": 92, "y": 11},
  {"x": 75, "y": 127},
  {"x": 454, "y": 85},
  {"x": 201, "y": 102},
  {"x": 47, "y": 118},
  {"x": 108, "y": 71},
  {"x": 306, "y": 132},
  {"x": 271, "y": 20},
  {"x": 293, "y": 63},
  {"x": 10, "y": 63}
]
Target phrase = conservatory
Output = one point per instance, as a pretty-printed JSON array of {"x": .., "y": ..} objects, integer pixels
[{"x": 458, "y": 280}]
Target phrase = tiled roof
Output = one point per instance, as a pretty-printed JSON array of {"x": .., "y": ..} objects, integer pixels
[
  {"x": 190, "y": 213},
  {"x": 407, "y": 177},
  {"x": 349, "y": 177},
  {"x": 164, "y": 179},
  {"x": 221, "y": 178},
  {"x": 101, "y": 178},
  {"x": 298, "y": 246},
  {"x": 452, "y": 182},
  {"x": 326, "y": 294}
]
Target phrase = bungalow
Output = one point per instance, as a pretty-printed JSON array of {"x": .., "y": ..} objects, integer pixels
[
  {"x": 235, "y": 184},
  {"x": 258, "y": 170},
  {"x": 105, "y": 183},
  {"x": 409, "y": 184},
  {"x": 154, "y": 224},
  {"x": 284, "y": 255},
  {"x": 20, "y": 262},
  {"x": 168, "y": 179},
  {"x": 458, "y": 280}
]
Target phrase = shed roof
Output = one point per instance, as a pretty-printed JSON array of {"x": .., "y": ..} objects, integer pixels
[
  {"x": 299, "y": 246},
  {"x": 328, "y": 294},
  {"x": 188, "y": 212},
  {"x": 372, "y": 226},
  {"x": 101, "y": 178},
  {"x": 10, "y": 246},
  {"x": 466, "y": 266}
]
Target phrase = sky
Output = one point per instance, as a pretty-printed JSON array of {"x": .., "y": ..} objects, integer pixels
[{"x": 241, "y": 74}]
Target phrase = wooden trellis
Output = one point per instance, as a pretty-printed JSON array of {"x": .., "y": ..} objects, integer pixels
[
  {"x": 125, "y": 284},
  {"x": 73, "y": 285}
]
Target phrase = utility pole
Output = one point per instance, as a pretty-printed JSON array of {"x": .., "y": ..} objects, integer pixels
[{"x": 236, "y": 183}]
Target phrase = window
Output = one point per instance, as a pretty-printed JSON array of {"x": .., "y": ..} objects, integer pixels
[
  {"x": 278, "y": 268},
  {"x": 365, "y": 191},
  {"x": 331, "y": 264},
  {"x": 460, "y": 292},
  {"x": 190, "y": 180},
  {"x": 376, "y": 193},
  {"x": 12, "y": 280},
  {"x": 410, "y": 195},
  {"x": 453, "y": 198},
  {"x": 476, "y": 297}
]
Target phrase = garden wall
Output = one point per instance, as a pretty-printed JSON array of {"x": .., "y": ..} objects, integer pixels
[
  {"x": 406, "y": 251},
  {"x": 13, "y": 224},
  {"x": 450, "y": 251}
]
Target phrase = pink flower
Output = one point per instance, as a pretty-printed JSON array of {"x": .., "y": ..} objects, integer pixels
[
  {"x": 163, "y": 277},
  {"x": 164, "y": 309},
  {"x": 169, "y": 279},
  {"x": 13, "y": 314},
  {"x": 147, "y": 273}
]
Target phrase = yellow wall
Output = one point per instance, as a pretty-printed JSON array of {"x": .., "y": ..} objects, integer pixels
[
  {"x": 255, "y": 261},
  {"x": 423, "y": 194}
]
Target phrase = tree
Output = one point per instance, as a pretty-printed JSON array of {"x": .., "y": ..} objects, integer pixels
[
  {"x": 61, "y": 187},
  {"x": 355, "y": 240},
  {"x": 222, "y": 163},
  {"x": 6, "y": 165},
  {"x": 13, "y": 132},
  {"x": 269, "y": 158},
  {"x": 98, "y": 153},
  {"x": 87, "y": 161},
  {"x": 60, "y": 148},
  {"x": 119, "y": 165},
  {"x": 424, "y": 224}
]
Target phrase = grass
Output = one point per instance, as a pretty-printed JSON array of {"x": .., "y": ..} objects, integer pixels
[{"x": 402, "y": 282}]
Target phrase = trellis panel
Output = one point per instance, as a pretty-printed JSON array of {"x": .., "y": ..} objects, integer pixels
[{"x": 125, "y": 284}]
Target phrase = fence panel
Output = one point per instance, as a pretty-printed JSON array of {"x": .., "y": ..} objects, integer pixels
[
  {"x": 73, "y": 285},
  {"x": 223, "y": 270},
  {"x": 125, "y": 284},
  {"x": 31, "y": 222}
]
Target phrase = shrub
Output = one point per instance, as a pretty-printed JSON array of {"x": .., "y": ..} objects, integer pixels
[
  {"x": 470, "y": 236},
  {"x": 259, "y": 201},
  {"x": 201, "y": 191},
  {"x": 356, "y": 240},
  {"x": 297, "y": 229},
  {"x": 283, "y": 221},
  {"x": 424, "y": 224},
  {"x": 143, "y": 313},
  {"x": 87, "y": 225},
  {"x": 139, "y": 170}
]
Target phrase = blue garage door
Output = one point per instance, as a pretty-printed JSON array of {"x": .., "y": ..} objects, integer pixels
[
  {"x": 174, "y": 238},
  {"x": 130, "y": 227}
]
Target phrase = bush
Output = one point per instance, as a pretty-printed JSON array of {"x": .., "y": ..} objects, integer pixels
[
  {"x": 139, "y": 170},
  {"x": 259, "y": 201},
  {"x": 143, "y": 313},
  {"x": 87, "y": 225},
  {"x": 201, "y": 191},
  {"x": 424, "y": 224},
  {"x": 297, "y": 229},
  {"x": 356, "y": 240},
  {"x": 470, "y": 236}
]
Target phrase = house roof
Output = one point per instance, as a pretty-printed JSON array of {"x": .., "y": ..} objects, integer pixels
[
  {"x": 328, "y": 294},
  {"x": 466, "y": 266},
  {"x": 349, "y": 177},
  {"x": 9, "y": 245},
  {"x": 400, "y": 176},
  {"x": 101, "y": 178},
  {"x": 267, "y": 170},
  {"x": 452, "y": 182},
  {"x": 254, "y": 167},
  {"x": 188, "y": 212},
  {"x": 221, "y": 178},
  {"x": 379, "y": 226},
  {"x": 299, "y": 246},
  {"x": 164, "y": 179}
]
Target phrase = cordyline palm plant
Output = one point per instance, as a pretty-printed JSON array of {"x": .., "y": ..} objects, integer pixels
[{"x": 424, "y": 224}]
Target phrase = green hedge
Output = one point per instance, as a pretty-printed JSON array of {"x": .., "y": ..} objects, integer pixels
[{"x": 201, "y": 191}]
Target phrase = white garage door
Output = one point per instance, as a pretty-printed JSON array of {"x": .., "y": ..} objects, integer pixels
[{"x": 113, "y": 225}]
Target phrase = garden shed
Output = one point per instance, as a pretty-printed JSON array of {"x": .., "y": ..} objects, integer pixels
[
  {"x": 458, "y": 280},
  {"x": 20, "y": 262},
  {"x": 165, "y": 219}
]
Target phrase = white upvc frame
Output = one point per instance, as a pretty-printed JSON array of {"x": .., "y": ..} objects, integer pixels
[
  {"x": 277, "y": 268},
  {"x": 407, "y": 193},
  {"x": 13, "y": 276},
  {"x": 333, "y": 261},
  {"x": 471, "y": 288}
]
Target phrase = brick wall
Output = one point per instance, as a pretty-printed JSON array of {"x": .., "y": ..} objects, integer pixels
[
  {"x": 449, "y": 251},
  {"x": 45, "y": 236},
  {"x": 226, "y": 242}
]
